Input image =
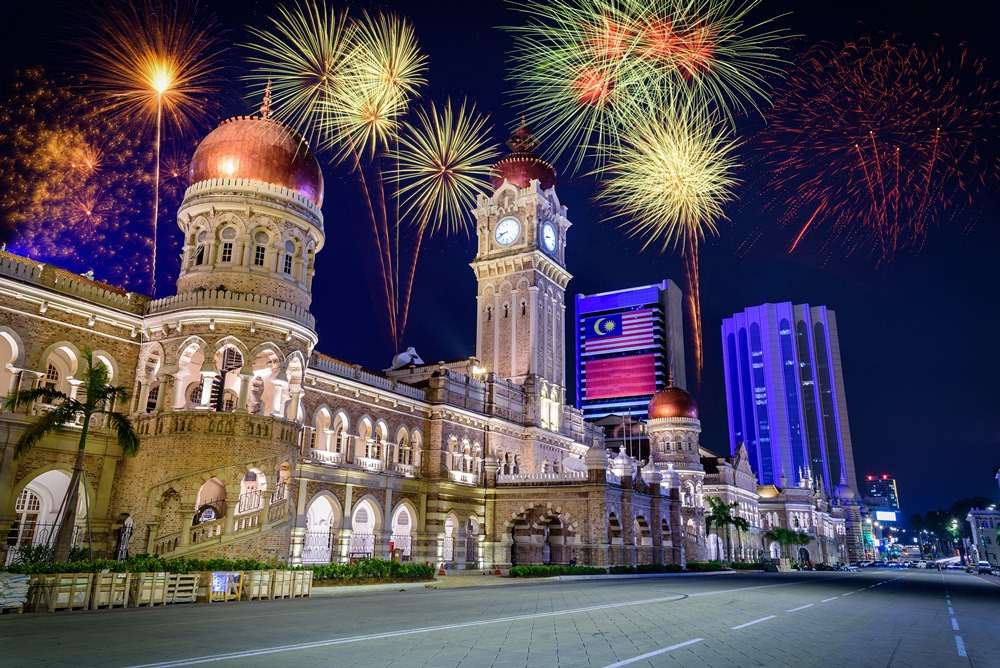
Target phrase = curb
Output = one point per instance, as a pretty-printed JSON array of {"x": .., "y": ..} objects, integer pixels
[
  {"x": 340, "y": 590},
  {"x": 636, "y": 576}
]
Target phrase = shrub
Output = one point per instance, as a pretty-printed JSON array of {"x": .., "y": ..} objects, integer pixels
[
  {"x": 705, "y": 566},
  {"x": 373, "y": 569},
  {"x": 553, "y": 570},
  {"x": 746, "y": 565}
]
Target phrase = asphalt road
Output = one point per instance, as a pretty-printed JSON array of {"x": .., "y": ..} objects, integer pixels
[{"x": 874, "y": 618}]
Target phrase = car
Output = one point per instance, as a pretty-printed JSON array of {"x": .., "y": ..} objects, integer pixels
[
  {"x": 954, "y": 566},
  {"x": 921, "y": 564},
  {"x": 984, "y": 568},
  {"x": 852, "y": 568}
]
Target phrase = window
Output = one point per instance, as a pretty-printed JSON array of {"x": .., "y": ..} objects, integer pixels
[
  {"x": 154, "y": 395},
  {"x": 227, "y": 251},
  {"x": 289, "y": 255},
  {"x": 199, "y": 255},
  {"x": 260, "y": 240},
  {"x": 258, "y": 256},
  {"x": 288, "y": 264},
  {"x": 51, "y": 377}
]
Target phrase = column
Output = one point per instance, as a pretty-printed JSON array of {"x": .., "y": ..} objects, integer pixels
[
  {"x": 144, "y": 388},
  {"x": 278, "y": 398},
  {"x": 296, "y": 399},
  {"x": 207, "y": 378},
  {"x": 74, "y": 386},
  {"x": 243, "y": 393}
]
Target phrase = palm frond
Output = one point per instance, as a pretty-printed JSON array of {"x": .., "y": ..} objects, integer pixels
[
  {"x": 21, "y": 398},
  {"x": 46, "y": 423},
  {"x": 128, "y": 440}
]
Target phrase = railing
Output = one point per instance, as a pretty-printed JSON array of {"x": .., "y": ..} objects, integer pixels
[
  {"x": 463, "y": 478},
  {"x": 34, "y": 534},
  {"x": 326, "y": 457},
  {"x": 166, "y": 544},
  {"x": 318, "y": 547},
  {"x": 448, "y": 553},
  {"x": 613, "y": 479},
  {"x": 408, "y": 470},
  {"x": 362, "y": 545},
  {"x": 356, "y": 372},
  {"x": 246, "y": 522},
  {"x": 258, "y": 189},
  {"x": 369, "y": 464},
  {"x": 564, "y": 476},
  {"x": 402, "y": 542},
  {"x": 202, "y": 532},
  {"x": 243, "y": 301},
  {"x": 250, "y": 501},
  {"x": 280, "y": 492}
]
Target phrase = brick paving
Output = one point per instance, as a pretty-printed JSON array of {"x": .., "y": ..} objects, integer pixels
[{"x": 876, "y": 618}]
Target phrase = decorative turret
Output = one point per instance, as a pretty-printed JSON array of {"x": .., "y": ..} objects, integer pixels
[
  {"x": 522, "y": 165},
  {"x": 251, "y": 217}
]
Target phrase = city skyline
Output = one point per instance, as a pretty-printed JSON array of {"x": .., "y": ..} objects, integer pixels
[{"x": 886, "y": 340}]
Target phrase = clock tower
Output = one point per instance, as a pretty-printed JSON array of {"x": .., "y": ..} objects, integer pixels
[{"x": 521, "y": 272}]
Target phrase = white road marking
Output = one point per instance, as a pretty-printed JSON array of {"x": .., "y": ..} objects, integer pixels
[
  {"x": 960, "y": 646},
  {"x": 954, "y": 624},
  {"x": 756, "y": 621},
  {"x": 801, "y": 607},
  {"x": 829, "y": 599},
  {"x": 848, "y": 593},
  {"x": 647, "y": 655},
  {"x": 212, "y": 658},
  {"x": 951, "y": 610}
]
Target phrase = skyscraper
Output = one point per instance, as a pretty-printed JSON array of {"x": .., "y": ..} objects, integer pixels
[
  {"x": 880, "y": 491},
  {"x": 627, "y": 342},
  {"x": 785, "y": 394}
]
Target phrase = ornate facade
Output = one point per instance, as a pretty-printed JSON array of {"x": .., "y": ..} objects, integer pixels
[{"x": 254, "y": 444}]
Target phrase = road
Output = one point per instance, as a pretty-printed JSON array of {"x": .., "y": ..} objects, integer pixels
[{"x": 875, "y": 618}]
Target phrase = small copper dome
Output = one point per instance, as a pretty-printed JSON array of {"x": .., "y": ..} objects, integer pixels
[
  {"x": 261, "y": 149},
  {"x": 522, "y": 165},
  {"x": 672, "y": 402}
]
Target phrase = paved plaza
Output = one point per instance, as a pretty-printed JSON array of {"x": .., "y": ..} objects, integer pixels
[{"x": 874, "y": 618}]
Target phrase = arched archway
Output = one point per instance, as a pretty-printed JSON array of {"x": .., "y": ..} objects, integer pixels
[
  {"x": 39, "y": 509},
  {"x": 450, "y": 536},
  {"x": 542, "y": 535},
  {"x": 366, "y": 522},
  {"x": 616, "y": 548},
  {"x": 403, "y": 520},
  {"x": 642, "y": 536},
  {"x": 322, "y": 521},
  {"x": 210, "y": 504},
  {"x": 803, "y": 555}
]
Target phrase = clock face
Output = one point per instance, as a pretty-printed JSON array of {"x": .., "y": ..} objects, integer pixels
[
  {"x": 549, "y": 237},
  {"x": 507, "y": 231}
]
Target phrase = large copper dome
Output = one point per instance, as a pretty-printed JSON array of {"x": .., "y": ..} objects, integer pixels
[
  {"x": 672, "y": 402},
  {"x": 262, "y": 149},
  {"x": 522, "y": 165}
]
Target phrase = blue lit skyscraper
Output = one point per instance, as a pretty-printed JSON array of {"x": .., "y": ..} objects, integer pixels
[{"x": 785, "y": 394}]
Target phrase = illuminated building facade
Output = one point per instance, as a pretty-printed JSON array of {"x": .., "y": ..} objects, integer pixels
[
  {"x": 880, "y": 491},
  {"x": 785, "y": 394},
  {"x": 627, "y": 343}
]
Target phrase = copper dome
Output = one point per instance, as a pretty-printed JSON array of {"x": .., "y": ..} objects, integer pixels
[
  {"x": 672, "y": 402},
  {"x": 261, "y": 149},
  {"x": 522, "y": 165}
]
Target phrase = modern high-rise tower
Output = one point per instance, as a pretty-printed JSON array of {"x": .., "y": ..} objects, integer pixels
[
  {"x": 785, "y": 394},
  {"x": 627, "y": 343}
]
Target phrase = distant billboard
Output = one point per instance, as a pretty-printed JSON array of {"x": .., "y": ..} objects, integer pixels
[{"x": 885, "y": 515}]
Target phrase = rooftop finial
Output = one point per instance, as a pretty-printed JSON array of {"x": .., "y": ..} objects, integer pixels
[
  {"x": 265, "y": 108},
  {"x": 670, "y": 375}
]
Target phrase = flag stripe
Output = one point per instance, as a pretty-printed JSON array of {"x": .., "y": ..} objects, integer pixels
[
  {"x": 620, "y": 377},
  {"x": 637, "y": 332}
]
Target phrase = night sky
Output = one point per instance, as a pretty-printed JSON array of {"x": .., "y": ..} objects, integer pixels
[{"x": 918, "y": 338}]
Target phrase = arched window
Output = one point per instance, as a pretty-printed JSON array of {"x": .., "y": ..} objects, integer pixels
[
  {"x": 260, "y": 241},
  {"x": 228, "y": 239},
  {"x": 289, "y": 256}
]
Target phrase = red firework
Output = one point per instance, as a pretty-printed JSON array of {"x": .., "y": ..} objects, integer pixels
[{"x": 873, "y": 143}]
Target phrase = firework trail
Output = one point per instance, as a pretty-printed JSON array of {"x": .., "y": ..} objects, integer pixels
[
  {"x": 350, "y": 85},
  {"x": 154, "y": 63},
  {"x": 872, "y": 143}
]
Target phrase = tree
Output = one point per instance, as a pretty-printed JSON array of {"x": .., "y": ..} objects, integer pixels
[
  {"x": 721, "y": 515},
  {"x": 98, "y": 400},
  {"x": 786, "y": 537}
]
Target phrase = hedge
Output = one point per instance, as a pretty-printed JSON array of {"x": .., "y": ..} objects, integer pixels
[
  {"x": 647, "y": 568},
  {"x": 705, "y": 566},
  {"x": 366, "y": 569},
  {"x": 142, "y": 563},
  {"x": 747, "y": 566},
  {"x": 552, "y": 571}
]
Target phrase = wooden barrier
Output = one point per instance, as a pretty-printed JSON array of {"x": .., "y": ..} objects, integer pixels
[
  {"x": 61, "y": 591},
  {"x": 257, "y": 585},
  {"x": 111, "y": 590},
  {"x": 148, "y": 589},
  {"x": 282, "y": 587},
  {"x": 182, "y": 587},
  {"x": 220, "y": 586},
  {"x": 302, "y": 584}
]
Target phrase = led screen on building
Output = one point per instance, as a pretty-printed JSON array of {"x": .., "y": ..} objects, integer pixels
[
  {"x": 885, "y": 515},
  {"x": 620, "y": 376}
]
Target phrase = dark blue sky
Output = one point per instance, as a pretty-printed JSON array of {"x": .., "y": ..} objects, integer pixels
[{"x": 918, "y": 338}]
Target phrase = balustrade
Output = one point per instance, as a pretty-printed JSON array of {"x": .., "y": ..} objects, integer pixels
[
  {"x": 369, "y": 463},
  {"x": 564, "y": 476},
  {"x": 318, "y": 547},
  {"x": 362, "y": 545},
  {"x": 326, "y": 457},
  {"x": 463, "y": 477}
]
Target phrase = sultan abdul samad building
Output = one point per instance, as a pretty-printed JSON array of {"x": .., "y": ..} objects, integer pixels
[{"x": 254, "y": 444}]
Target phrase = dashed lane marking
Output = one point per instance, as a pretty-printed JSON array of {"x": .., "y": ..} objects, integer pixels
[
  {"x": 960, "y": 646},
  {"x": 951, "y": 610},
  {"x": 954, "y": 624},
  {"x": 647, "y": 655},
  {"x": 801, "y": 607},
  {"x": 825, "y": 600},
  {"x": 756, "y": 621}
]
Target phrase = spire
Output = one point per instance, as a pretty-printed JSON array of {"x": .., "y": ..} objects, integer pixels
[
  {"x": 670, "y": 375},
  {"x": 265, "y": 108}
]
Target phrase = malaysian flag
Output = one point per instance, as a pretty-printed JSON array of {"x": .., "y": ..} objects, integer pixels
[
  {"x": 631, "y": 330},
  {"x": 620, "y": 376}
]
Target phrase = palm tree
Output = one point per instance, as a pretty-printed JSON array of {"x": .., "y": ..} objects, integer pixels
[
  {"x": 786, "y": 537},
  {"x": 721, "y": 515},
  {"x": 99, "y": 397}
]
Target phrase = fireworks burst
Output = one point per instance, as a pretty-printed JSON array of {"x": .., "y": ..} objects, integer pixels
[
  {"x": 154, "y": 61},
  {"x": 301, "y": 57},
  {"x": 68, "y": 186},
  {"x": 667, "y": 182},
  {"x": 872, "y": 143},
  {"x": 585, "y": 69}
]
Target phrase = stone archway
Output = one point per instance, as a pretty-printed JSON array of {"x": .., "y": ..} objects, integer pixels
[{"x": 542, "y": 535}]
